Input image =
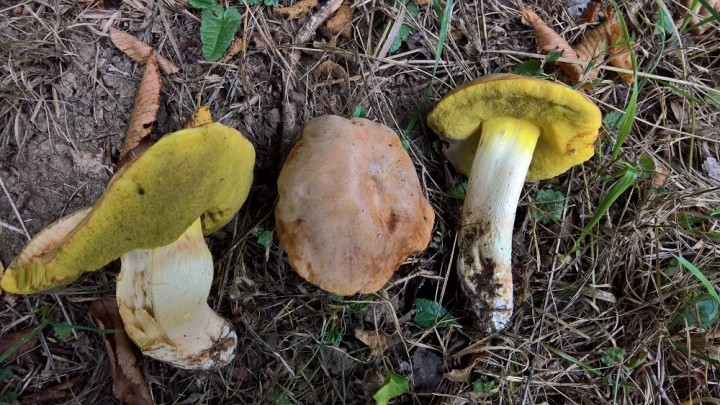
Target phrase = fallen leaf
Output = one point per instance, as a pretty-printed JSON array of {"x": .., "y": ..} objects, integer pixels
[
  {"x": 376, "y": 340},
  {"x": 329, "y": 69},
  {"x": 590, "y": 13},
  {"x": 7, "y": 341},
  {"x": 549, "y": 41},
  {"x": 458, "y": 374},
  {"x": 139, "y": 51},
  {"x": 619, "y": 51},
  {"x": 201, "y": 117},
  {"x": 144, "y": 112},
  {"x": 59, "y": 393},
  {"x": 297, "y": 9},
  {"x": 236, "y": 46},
  {"x": 339, "y": 24},
  {"x": 128, "y": 383}
]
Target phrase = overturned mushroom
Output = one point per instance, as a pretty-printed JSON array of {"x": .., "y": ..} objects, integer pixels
[
  {"x": 154, "y": 213},
  {"x": 350, "y": 207},
  {"x": 503, "y": 130}
]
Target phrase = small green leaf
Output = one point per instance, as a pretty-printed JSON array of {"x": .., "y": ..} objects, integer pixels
[
  {"x": 664, "y": 24},
  {"x": 217, "y": 29},
  {"x": 531, "y": 67},
  {"x": 636, "y": 361},
  {"x": 62, "y": 330},
  {"x": 552, "y": 57},
  {"x": 431, "y": 314},
  {"x": 548, "y": 206},
  {"x": 612, "y": 356},
  {"x": 647, "y": 163},
  {"x": 205, "y": 4},
  {"x": 332, "y": 338},
  {"x": 394, "y": 386},
  {"x": 359, "y": 112},
  {"x": 5, "y": 373},
  {"x": 483, "y": 387},
  {"x": 704, "y": 308},
  {"x": 699, "y": 275},
  {"x": 714, "y": 97},
  {"x": 251, "y": 2},
  {"x": 613, "y": 119},
  {"x": 264, "y": 236},
  {"x": 459, "y": 190},
  {"x": 272, "y": 3}
]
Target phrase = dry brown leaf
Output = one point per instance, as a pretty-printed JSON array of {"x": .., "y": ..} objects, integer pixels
[
  {"x": 128, "y": 383},
  {"x": 331, "y": 69},
  {"x": 11, "y": 338},
  {"x": 236, "y": 46},
  {"x": 339, "y": 24},
  {"x": 549, "y": 41},
  {"x": 376, "y": 340},
  {"x": 619, "y": 52},
  {"x": 139, "y": 51},
  {"x": 590, "y": 14},
  {"x": 458, "y": 374},
  {"x": 297, "y": 9},
  {"x": 144, "y": 112},
  {"x": 53, "y": 395}
]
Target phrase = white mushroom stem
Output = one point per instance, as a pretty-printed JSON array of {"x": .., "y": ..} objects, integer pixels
[
  {"x": 496, "y": 180},
  {"x": 162, "y": 296}
]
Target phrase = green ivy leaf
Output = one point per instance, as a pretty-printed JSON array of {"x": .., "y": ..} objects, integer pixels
[
  {"x": 703, "y": 310},
  {"x": 483, "y": 387},
  {"x": 394, "y": 386},
  {"x": 548, "y": 206},
  {"x": 531, "y": 67},
  {"x": 431, "y": 314},
  {"x": 217, "y": 29},
  {"x": 647, "y": 163}
]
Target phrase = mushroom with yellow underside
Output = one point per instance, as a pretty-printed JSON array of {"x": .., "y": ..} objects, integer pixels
[{"x": 502, "y": 130}]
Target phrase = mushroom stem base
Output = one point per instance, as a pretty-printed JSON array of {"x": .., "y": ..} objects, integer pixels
[{"x": 485, "y": 248}]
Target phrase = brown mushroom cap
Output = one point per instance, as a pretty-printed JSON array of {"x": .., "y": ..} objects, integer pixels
[{"x": 350, "y": 208}]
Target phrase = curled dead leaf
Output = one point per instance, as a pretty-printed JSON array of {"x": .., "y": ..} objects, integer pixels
[
  {"x": 138, "y": 50},
  {"x": 549, "y": 41},
  {"x": 297, "y": 9},
  {"x": 458, "y": 374},
  {"x": 619, "y": 51},
  {"x": 340, "y": 23},
  {"x": 144, "y": 113},
  {"x": 62, "y": 392},
  {"x": 236, "y": 46},
  {"x": 128, "y": 383},
  {"x": 12, "y": 338},
  {"x": 329, "y": 69},
  {"x": 376, "y": 340}
]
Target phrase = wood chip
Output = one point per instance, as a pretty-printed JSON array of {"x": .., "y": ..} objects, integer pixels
[
  {"x": 128, "y": 382},
  {"x": 139, "y": 51}
]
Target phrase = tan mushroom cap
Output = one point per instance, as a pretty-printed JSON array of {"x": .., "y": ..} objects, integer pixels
[
  {"x": 350, "y": 208},
  {"x": 567, "y": 119}
]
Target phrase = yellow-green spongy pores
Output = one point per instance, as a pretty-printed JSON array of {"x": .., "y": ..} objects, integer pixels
[{"x": 196, "y": 172}]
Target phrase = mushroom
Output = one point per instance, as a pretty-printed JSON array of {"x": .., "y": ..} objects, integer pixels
[
  {"x": 503, "y": 130},
  {"x": 154, "y": 213},
  {"x": 350, "y": 207}
]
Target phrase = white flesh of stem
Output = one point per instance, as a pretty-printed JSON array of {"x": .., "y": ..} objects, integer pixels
[
  {"x": 485, "y": 249},
  {"x": 162, "y": 296}
]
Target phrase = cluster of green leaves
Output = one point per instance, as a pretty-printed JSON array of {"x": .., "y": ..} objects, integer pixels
[
  {"x": 394, "y": 386},
  {"x": 548, "y": 206},
  {"x": 264, "y": 236},
  {"x": 269, "y": 3},
  {"x": 218, "y": 26}
]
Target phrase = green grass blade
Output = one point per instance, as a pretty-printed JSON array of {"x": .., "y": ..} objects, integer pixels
[
  {"x": 699, "y": 275},
  {"x": 15, "y": 346},
  {"x": 629, "y": 116},
  {"x": 442, "y": 36},
  {"x": 573, "y": 360},
  {"x": 628, "y": 179}
]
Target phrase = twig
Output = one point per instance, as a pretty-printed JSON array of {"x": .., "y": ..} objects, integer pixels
[
  {"x": 288, "y": 107},
  {"x": 14, "y": 208}
]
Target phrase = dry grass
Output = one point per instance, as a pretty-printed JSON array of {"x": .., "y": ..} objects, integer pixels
[{"x": 65, "y": 90}]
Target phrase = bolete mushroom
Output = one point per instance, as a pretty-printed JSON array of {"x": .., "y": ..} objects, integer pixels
[
  {"x": 503, "y": 130},
  {"x": 154, "y": 213},
  {"x": 350, "y": 207}
]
